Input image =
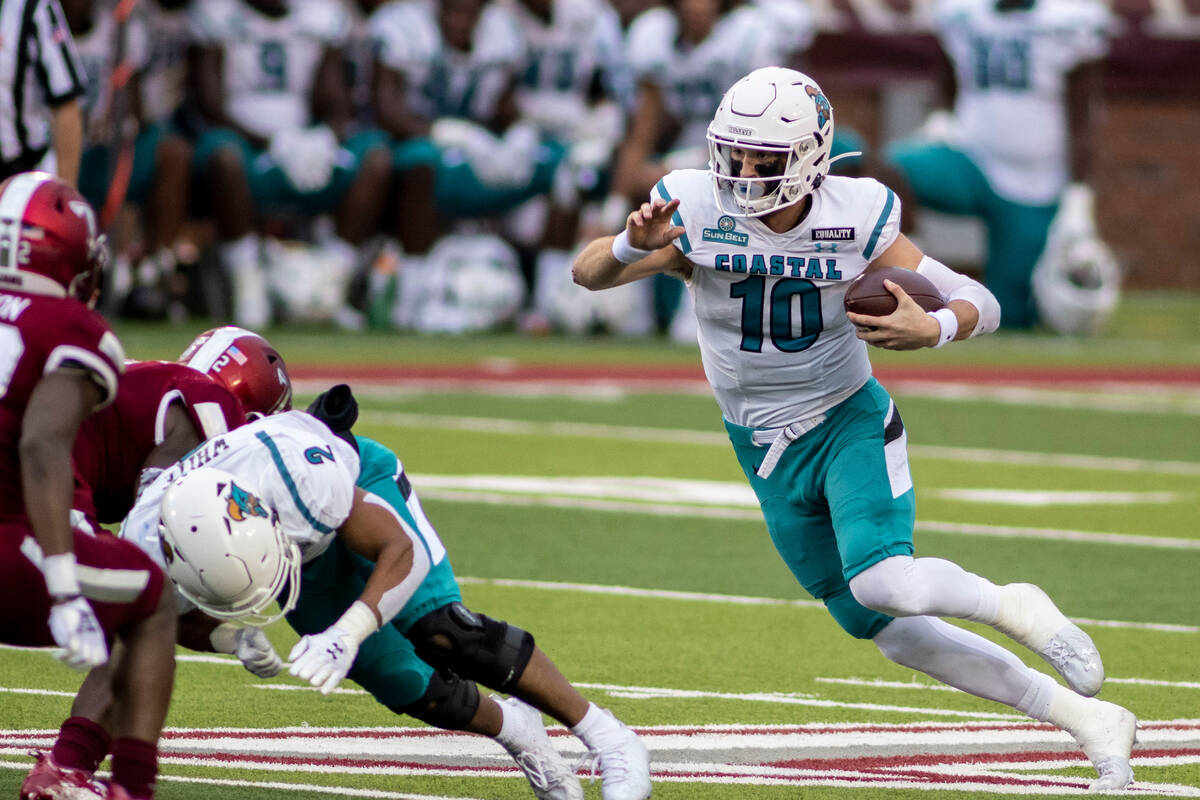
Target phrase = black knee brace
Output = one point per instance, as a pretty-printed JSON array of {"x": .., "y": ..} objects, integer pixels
[
  {"x": 474, "y": 646},
  {"x": 449, "y": 702}
]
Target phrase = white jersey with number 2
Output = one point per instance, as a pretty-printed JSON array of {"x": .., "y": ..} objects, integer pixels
[
  {"x": 290, "y": 461},
  {"x": 776, "y": 344}
]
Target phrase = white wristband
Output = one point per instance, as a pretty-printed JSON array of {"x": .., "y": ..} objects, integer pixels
[
  {"x": 948, "y": 322},
  {"x": 59, "y": 572},
  {"x": 626, "y": 253},
  {"x": 359, "y": 621}
]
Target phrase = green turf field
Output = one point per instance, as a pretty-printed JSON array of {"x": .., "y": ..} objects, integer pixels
[{"x": 617, "y": 527}]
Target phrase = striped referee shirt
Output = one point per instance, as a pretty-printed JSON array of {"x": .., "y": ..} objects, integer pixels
[{"x": 39, "y": 69}]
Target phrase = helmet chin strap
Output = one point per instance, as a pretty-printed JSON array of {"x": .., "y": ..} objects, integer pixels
[{"x": 851, "y": 154}]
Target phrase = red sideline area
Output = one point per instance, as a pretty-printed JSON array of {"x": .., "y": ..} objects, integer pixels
[{"x": 1047, "y": 376}]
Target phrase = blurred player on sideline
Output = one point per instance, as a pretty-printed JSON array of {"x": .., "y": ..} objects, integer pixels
[
  {"x": 1023, "y": 77},
  {"x": 269, "y": 81},
  {"x": 62, "y": 581},
  {"x": 767, "y": 241}
]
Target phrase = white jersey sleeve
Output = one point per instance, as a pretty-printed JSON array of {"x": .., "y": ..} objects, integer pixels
[
  {"x": 497, "y": 39},
  {"x": 649, "y": 44},
  {"x": 404, "y": 35},
  {"x": 774, "y": 338}
]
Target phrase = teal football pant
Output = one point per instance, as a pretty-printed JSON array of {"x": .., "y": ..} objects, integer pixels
[{"x": 838, "y": 501}]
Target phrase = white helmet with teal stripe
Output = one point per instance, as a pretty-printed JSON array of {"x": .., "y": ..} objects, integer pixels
[{"x": 785, "y": 119}]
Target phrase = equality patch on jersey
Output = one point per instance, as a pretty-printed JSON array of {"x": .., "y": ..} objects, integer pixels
[
  {"x": 725, "y": 233},
  {"x": 833, "y": 234}
]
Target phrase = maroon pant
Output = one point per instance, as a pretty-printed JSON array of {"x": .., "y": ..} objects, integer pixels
[{"x": 120, "y": 581}]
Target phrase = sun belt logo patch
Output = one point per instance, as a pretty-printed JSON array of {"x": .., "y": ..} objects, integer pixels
[
  {"x": 824, "y": 110},
  {"x": 242, "y": 504},
  {"x": 724, "y": 232}
]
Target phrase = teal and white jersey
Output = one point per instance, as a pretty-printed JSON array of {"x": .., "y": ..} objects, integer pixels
[
  {"x": 563, "y": 55},
  {"x": 294, "y": 463},
  {"x": 1011, "y": 70},
  {"x": 693, "y": 78},
  {"x": 774, "y": 338},
  {"x": 270, "y": 63},
  {"x": 97, "y": 50},
  {"x": 441, "y": 81}
]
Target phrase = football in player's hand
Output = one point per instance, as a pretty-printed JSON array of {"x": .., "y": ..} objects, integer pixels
[{"x": 866, "y": 294}]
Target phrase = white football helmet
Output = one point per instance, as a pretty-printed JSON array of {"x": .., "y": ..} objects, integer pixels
[
  {"x": 1076, "y": 286},
  {"x": 225, "y": 549},
  {"x": 773, "y": 110}
]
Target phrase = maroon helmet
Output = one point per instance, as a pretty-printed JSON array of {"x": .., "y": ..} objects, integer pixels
[
  {"x": 244, "y": 363},
  {"x": 49, "y": 242}
]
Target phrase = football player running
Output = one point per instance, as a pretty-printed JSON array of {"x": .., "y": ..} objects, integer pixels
[
  {"x": 766, "y": 242},
  {"x": 61, "y": 581}
]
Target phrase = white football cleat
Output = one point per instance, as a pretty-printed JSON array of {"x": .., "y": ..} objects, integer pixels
[
  {"x": 623, "y": 761},
  {"x": 1028, "y": 615},
  {"x": 524, "y": 737},
  {"x": 1107, "y": 734}
]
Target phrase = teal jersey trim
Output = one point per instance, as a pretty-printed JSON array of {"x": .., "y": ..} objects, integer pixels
[
  {"x": 869, "y": 251},
  {"x": 291, "y": 484},
  {"x": 676, "y": 219}
]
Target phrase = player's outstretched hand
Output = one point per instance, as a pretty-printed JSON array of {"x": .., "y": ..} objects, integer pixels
[
  {"x": 77, "y": 632},
  {"x": 906, "y": 328},
  {"x": 323, "y": 659},
  {"x": 650, "y": 228},
  {"x": 254, "y": 650}
]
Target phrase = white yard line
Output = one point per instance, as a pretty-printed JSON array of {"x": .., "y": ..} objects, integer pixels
[
  {"x": 630, "y": 591},
  {"x": 553, "y": 493},
  {"x": 399, "y": 419}
]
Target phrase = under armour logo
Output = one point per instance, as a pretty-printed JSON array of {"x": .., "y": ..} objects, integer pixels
[{"x": 335, "y": 651}]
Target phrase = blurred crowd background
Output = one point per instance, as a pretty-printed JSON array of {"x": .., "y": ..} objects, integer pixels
[{"x": 433, "y": 165}]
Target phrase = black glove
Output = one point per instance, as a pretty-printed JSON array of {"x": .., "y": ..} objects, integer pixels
[{"x": 338, "y": 409}]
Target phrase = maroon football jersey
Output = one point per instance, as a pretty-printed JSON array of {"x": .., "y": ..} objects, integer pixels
[
  {"x": 39, "y": 334},
  {"x": 113, "y": 444}
]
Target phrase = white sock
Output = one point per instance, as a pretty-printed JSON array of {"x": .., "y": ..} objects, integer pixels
[
  {"x": 593, "y": 723},
  {"x": 550, "y": 272},
  {"x": 966, "y": 661},
  {"x": 1068, "y": 710},
  {"x": 241, "y": 254}
]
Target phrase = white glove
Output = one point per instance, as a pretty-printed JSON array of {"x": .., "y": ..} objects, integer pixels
[
  {"x": 497, "y": 162},
  {"x": 254, "y": 650},
  {"x": 940, "y": 126},
  {"x": 323, "y": 659},
  {"x": 76, "y": 630},
  {"x": 306, "y": 156}
]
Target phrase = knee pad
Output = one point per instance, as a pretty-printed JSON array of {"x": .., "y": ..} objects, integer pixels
[
  {"x": 449, "y": 702},
  {"x": 474, "y": 646}
]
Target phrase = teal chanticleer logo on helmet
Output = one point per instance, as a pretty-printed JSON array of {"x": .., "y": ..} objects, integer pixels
[{"x": 824, "y": 110}]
